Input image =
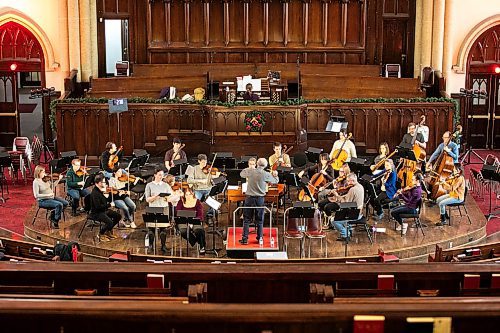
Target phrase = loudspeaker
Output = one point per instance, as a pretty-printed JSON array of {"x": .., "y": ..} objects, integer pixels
[
  {"x": 293, "y": 90},
  {"x": 213, "y": 90}
]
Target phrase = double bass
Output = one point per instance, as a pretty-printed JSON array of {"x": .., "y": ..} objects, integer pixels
[
  {"x": 442, "y": 169},
  {"x": 340, "y": 156}
]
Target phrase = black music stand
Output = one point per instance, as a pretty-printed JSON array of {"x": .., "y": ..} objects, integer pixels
[
  {"x": 243, "y": 163},
  {"x": 313, "y": 153},
  {"x": 348, "y": 212},
  {"x": 5, "y": 162},
  {"x": 304, "y": 181},
  {"x": 156, "y": 217},
  {"x": 68, "y": 156},
  {"x": 187, "y": 217},
  {"x": 220, "y": 186},
  {"x": 405, "y": 151},
  {"x": 491, "y": 172},
  {"x": 359, "y": 166},
  {"x": 286, "y": 177},
  {"x": 223, "y": 161},
  {"x": 178, "y": 168}
]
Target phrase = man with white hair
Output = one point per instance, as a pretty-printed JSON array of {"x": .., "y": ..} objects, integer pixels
[{"x": 257, "y": 179}]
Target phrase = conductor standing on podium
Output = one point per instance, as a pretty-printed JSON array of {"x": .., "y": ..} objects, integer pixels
[{"x": 257, "y": 179}]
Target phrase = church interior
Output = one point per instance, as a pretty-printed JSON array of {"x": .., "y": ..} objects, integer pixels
[{"x": 168, "y": 164}]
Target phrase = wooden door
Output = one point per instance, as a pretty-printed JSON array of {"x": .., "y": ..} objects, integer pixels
[
  {"x": 9, "y": 120},
  {"x": 484, "y": 113}
]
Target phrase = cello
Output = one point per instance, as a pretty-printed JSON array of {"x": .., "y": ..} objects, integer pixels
[
  {"x": 340, "y": 156},
  {"x": 317, "y": 180},
  {"x": 442, "y": 169}
]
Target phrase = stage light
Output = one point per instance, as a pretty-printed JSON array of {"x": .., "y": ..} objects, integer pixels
[
  {"x": 13, "y": 67},
  {"x": 496, "y": 69}
]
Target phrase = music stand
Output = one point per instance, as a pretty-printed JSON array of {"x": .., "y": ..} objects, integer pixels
[
  {"x": 156, "y": 217},
  {"x": 313, "y": 153},
  {"x": 225, "y": 162},
  {"x": 177, "y": 169},
  {"x": 142, "y": 157},
  {"x": 243, "y": 163},
  {"x": 359, "y": 166},
  {"x": 219, "y": 188},
  {"x": 491, "y": 173},
  {"x": 68, "y": 156},
  {"x": 348, "y": 212},
  {"x": 336, "y": 124},
  {"x": 405, "y": 151},
  {"x": 187, "y": 217},
  {"x": 304, "y": 181}
]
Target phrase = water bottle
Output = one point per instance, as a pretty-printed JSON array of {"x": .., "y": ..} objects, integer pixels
[
  {"x": 146, "y": 240},
  {"x": 261, "y": 242},
  {"x": 272, "y": 241}
]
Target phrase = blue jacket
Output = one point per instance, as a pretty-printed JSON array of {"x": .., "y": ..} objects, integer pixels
[
  {"x": 453, "y": 152},
  {"x": 390, "y": 185}
]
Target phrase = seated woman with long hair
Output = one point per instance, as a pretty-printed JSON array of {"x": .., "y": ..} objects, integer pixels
[{"x": 196, "y": 232}]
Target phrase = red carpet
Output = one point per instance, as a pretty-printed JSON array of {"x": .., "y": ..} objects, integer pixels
[{"x": 13, "y": 212}]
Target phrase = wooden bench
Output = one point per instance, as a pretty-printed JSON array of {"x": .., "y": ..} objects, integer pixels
[
  {"x": 22, "y": 250},
  {"x": 318, "y": 86},
  {"x": 487, "y": 252},
  {"x": 127, "y": 87}
]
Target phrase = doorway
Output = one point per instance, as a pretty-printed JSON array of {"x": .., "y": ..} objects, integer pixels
[{"x": 116, "y": 45}]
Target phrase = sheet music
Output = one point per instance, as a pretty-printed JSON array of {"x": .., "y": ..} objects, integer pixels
[
  {"x": 244, "y": 187},
  {"x": 213, "y": 203}
]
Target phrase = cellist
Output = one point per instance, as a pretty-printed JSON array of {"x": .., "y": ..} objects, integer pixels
[
  {"x": 110, "y": 150},
  {"x": 344, "y": 144},
  {"x": 279, "y": 156},
  {"x": 450, "y": 147},
  {"x": 322, "y": 168},
  {"x": 455, "y": 188}
]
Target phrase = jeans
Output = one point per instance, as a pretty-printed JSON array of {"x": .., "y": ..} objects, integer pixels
[
  {"x": 202, "y": 195},
  {"x": 57, "y": 204},
  {"x": 76, "y": 195},
  {"x": 340, "y": 226},
  {"x": 107, "y": 174},
  {"x": 398, "y": 211},
  {"x": 379, "y": 201},
  {"x": 248, "y": 213},
  {"x": 444, "y": 201},
  {"x": 328, "y": 207},
  {"x": 128, "y": 207}
]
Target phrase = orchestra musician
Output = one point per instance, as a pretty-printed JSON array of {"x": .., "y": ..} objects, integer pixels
[
  {"x": 110, "y": 150},
  {"x": 455, "y": 186},
  {"x": 343, "y": 144},
  {"x": 196, "y": 232},
  {"x": 257, "y": 179},
  {"x": 413, "y": 137},
  {"x": 279, "y": 156},
  {"x": 322, "y": 167},
  {"x": 152, "y": 194},
  {"x": 457, "y": 135},
  {"x": 248, "y": 95},
  {"x": 410, "y": 195},
  {"x": 423, "y": 129},
  {"x": 43, "y": 191},
  {"x": 99, "y": 203},
  {"x": 387, "y": 190},
  {"x": 355, "y": 194},
  {"x": 200, "y": 178},
  {"x": 326, "y": 198},
  {"x": 450, "y": 147},
  {"x": 176, "y": 153},
  {"x": 122, "y": 199},
  {"x": 383, "y": 152},
  {"x": 74, "y": 183}
]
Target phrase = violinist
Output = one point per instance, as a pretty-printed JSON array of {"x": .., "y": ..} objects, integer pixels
[
  {"x": 355, "y": 194},
  {"x": 196, "y": 232},
  {"x": 279, "y": 157},
  {"x": 450, "y": 147},
  {"x": 455, "y": 186},
  {"x": 176, "y": 193},
  {"x": 105, "y": 156},
  {"x": 200, "y": 178},
  {"x": 153, "y": 192},
  {"x": 75, "y": 182},
  {"x": 43, "y": 191},
  {"x": 343, "y": 144},
  {"x": 176, "y": 153},
  {"x": 327, "y": 201},
  {"x": 410, "y": 195},
  {"x": 99, "y": 203},
  {"x": 122, "y": 200},
  {"x": 387, "y": 190}
]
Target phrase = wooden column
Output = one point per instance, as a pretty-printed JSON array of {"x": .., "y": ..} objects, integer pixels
[
  {"x": 438, "y": 34},
  {"x": 187, "y": 20},
  {"x": 305, "y": 21},
  {"x": 168, "y": 22},
  {"x": 226, "y": 22},
  {"x": 343, "y": 27},
  {"x": 325, "y": 21},
  {"x": 246, "y": 22},
  {"x": 265, "y": 4},
  {"x": 206, "y": 20},
  {"x": 286, "y": 6}
]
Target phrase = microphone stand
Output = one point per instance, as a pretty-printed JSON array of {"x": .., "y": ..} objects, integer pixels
[{"x": 468, "y": 95}]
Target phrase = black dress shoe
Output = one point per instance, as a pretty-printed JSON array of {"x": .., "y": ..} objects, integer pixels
[
  {"x": 164, "y": 249},
  {"x": 55, "y": 225},
  {"x": 243, "y": 241},
  {"x": 341, "y": 239}
]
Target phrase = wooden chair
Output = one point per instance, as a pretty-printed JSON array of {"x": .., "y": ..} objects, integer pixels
[{"x": 458, "y": 205}]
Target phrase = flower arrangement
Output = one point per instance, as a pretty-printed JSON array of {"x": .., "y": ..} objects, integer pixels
[{"x": 254, "y": 121}]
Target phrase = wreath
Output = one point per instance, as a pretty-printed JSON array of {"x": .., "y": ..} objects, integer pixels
[{"x": 254, "y": 121}]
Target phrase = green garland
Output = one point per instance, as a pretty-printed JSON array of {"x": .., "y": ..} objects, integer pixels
[
  {"x": 254, "y": 121},
  {"x": 144, "y": 100}
]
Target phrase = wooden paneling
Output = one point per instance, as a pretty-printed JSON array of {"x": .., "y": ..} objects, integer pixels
[
  {"x": 213, "y": 128},
  {"x": 241, "y": 31}
]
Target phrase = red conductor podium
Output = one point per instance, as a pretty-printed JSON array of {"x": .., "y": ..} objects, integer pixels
[{"x": 236, "y": 250}]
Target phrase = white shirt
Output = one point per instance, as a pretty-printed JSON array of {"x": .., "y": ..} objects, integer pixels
[
  {"x": 424, "y": 130},
  {"x": 348, "y": 147}
]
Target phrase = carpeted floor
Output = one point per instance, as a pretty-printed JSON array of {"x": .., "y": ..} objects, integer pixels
[{"x": 20, "y": 200}]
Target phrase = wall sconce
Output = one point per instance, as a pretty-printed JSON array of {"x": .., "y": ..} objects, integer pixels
[{"x": 56, "y": 65}]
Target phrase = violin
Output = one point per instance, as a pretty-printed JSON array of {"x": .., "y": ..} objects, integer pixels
[
  {"x": 276, "y": 164},
  {"x": 49, "y": 178},
  {"x": 111, "y": 190},
  {"x": 341, "y": 190},
  {"x": 176, "y": 154},
  {"x": 208, "y": 169},
  {"x": 180, "y": 186},
  {"x": 129, "y": 178},
  {"x": 113, "y": 158},
  {"x": 82, "y": 171}
]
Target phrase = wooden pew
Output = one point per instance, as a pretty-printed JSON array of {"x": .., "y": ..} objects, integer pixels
[
  {"x": 26, "y": 250},
  {"x": 489, "y": 252},
  {"x": 75, "y": 315},
  {"x": 145, "y": 86},
  {"x": 317, "y": 86}
]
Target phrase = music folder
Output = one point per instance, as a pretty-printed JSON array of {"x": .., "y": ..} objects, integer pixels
[{"x": 156, "y": 221}]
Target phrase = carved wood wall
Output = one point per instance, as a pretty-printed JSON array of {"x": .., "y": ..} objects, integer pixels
[{"x": 259, "y": 31}]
